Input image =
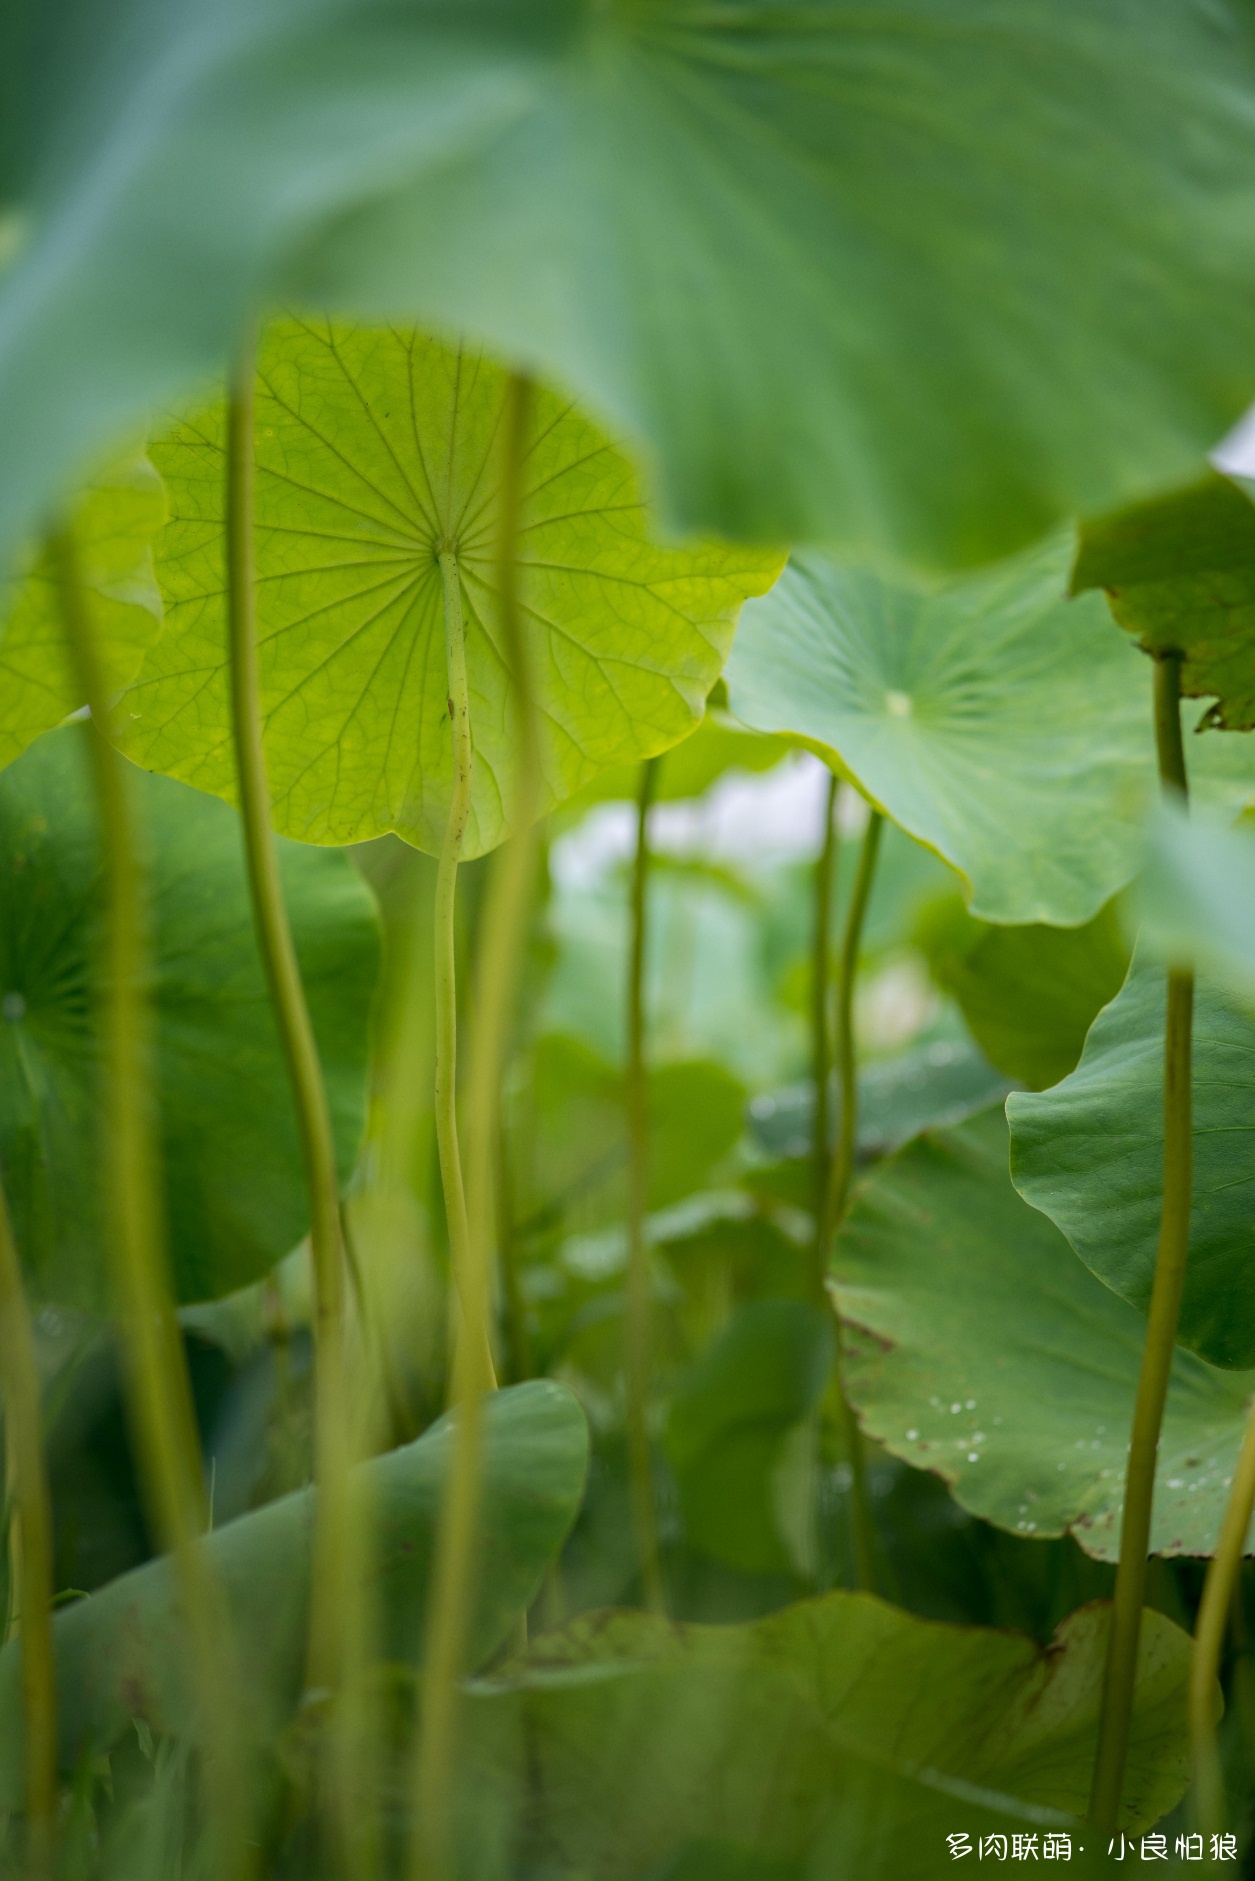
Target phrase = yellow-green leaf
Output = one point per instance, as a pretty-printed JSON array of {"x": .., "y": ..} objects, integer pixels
[
  {"x": 376, "y": 448},
  {"x": 113, "y": 526}
]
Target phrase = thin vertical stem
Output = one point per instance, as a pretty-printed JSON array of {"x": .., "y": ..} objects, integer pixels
[
  {"x": 448, "y": 1602},
  {"x": 821, "y": 1054},
  {"x": 842, "y": 1175},
  {"x": 847, "y": 1051},
  {"x": 446, "y": 1000},
  {"x": 162, "y": 1415},
  {"x": 1214, "y": 1612},
  {"x": 636, "y": 1341},
  {"x": 504, "y": 927},
  {"x": 1120, "y": 1677},
  {"x": 31, "y": 1512},
  {"x": 333, "y": 1607}
]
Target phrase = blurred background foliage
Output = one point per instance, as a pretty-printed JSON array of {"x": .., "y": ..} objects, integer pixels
[{"x": 752, "y": 1479}]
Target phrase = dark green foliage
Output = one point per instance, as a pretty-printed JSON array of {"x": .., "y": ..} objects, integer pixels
[
  {"x": 837, "y": 1728},
  {"x": 982, "y": 1349},
  {"x": 573, "y": 319},
  {"x": 1028, "y": 994},
  {"x": 122, "y": 1656},
  {"x": 231, "y": 1159},
  {"x": 742, "y": 1437},
  {"x": 1180, "y": 574},
  {"x": 897, "y": 1098},
  {"x": 571, "y": 1135},
  {"x": 1090, "y": 1154}
]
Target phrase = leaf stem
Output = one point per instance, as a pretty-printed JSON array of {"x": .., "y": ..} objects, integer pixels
[
  {"x": 1115, "y": 1717},
  {"x": 636, "y": 1341},
  {"x": 841, "y": 1176},
  {"x": 1219, "y": 1590},
  {"x": 31, "y": 1512},
  {"x": 446, "y": 1000},
  {"x": 847, "y": 1053},
  {"x": 503, "y": 929},
  {"x": 162, "y": 1415},
  {"x": 821, "y": 1054},
  {"x": 333, "y": 1611}
]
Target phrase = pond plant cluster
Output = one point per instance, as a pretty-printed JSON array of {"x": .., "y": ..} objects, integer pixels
[{"x": 539, "y": 1341}]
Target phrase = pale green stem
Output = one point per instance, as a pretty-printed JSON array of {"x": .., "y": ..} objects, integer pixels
[
  {"x": 1219, "y": 1590},
  {"x": 841, "y": 1176},
  {"x": 847, "y": 1046},
  {"x": 334, "y": 1647},
  {"x": 503, "y": 928},
  {"x": 821, "y": 1053},
  {"x": 1115, "y": 1718},
  {"x": 636, "y": 1332},
  {"x": 30, "y": 1517},
  {"x": 446, "y": 1001},
  {"x": 162, "y": 1415}
]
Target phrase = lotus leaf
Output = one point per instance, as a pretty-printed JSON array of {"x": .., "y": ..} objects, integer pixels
[
  {"x": 982, "y": 1349},
  {"x": 231, "y": 1155},
  {"x": 1089, "y": 1154}
]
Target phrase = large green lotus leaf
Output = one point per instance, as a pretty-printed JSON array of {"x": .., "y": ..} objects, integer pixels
[
  {"x": 729, "y": 1424},
  {"x": 156, "y": 165},
  {"x": 1180, "y": 573},
  {"x": 839, "y": 1727},
  {"x": 994, "y": 720},
  {"x": 1089, "y": 1154},
  {"x": 919, "y": 278},
  {"x": 1029, "y": 994},
  {"x": 1003, "y": 725},
  {"x": 114, "y": 524},
  {"x": 231, "y": 1155},
  {"x": 982, "y": 1349},
  {"x": 923, "y": 277},
  {"x": 122, "y": 1653},
  {"x": 374, "y": 449}
]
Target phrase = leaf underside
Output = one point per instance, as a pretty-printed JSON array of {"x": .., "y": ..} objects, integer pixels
[
  {"x": 839, "y": 1729},
  {"x": 1180, "y": 574},
  {"x": 376, "y": 450}
]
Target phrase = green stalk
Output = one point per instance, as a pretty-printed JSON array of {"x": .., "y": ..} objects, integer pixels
[
  {"x": 503, "y": 928},
  {"x": 446, "y": 1001},
  {"x": 841, "y": 1176},
  {"x": 847, "y": 1053},
  {"x": 30, "y": 1514},
  {"x": 636, "y": 1340},
  {"x": 1120, "y": 1677},
  {"x": 448, "y": 1602},
  {"x": 1215, "y": 1608},
  {"x": 821, "y": 1057},
  {"x": 335, "y": 1611},
  {"x": 159, "y": 1390}
]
